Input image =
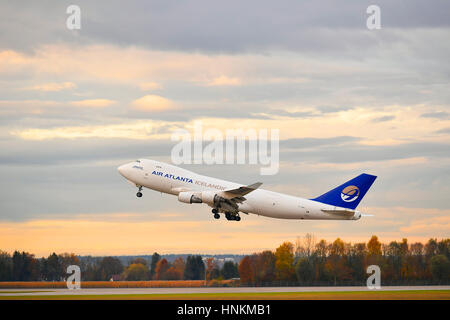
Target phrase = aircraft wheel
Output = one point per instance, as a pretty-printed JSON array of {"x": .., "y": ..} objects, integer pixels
[
  {"x": 228, "y": 216},
  {"x": 215, "y": 211},
  {"x": 216, "y": 216},
  {"x": 139, "y": 194},
  {"x": 237, "y": 218}
]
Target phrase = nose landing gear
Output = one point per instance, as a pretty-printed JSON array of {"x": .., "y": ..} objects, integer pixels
[{"x": 139, "y": 193}]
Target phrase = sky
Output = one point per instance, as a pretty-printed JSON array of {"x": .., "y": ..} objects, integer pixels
[{"x": 76, "y": 104}]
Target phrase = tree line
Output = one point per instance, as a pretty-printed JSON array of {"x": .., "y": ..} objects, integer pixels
[
  {"x": 311, "y": 262},
  {"x": 305, "y": 262},
  {"x": 23, "y": 266}
]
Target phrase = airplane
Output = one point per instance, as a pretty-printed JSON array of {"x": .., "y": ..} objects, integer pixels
[{"x": 232, "y": 198}]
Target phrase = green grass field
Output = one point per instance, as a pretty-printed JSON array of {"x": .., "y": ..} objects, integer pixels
[{"x": 341, "y": 295}]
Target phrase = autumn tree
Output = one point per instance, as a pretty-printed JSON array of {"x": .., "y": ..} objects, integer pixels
[
  {"x": 305, "y": 247},
  {"x": 139, "y": 260},
  {"x": 374, "y": 246},
  {"x": 179, "y": 266},
  {"x": 212, "y": 269},
  {"x": 136, "y": 272},
  {"x": 284, "y": 262},
  {"x": 109, "y": 266},
  {"x": 336, "y": 265},
  {"x": 321, "y": 254},
  {"x": 161, "y": 269},
  {"x": 68, "y": 259},
  {"x": 245, "y": 271},
  {"x": 265, "y": 267}
]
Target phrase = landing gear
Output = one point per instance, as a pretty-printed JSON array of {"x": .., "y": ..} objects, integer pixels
[
  {"x": 216, "y": 213},
  {"x": 230, "y": 216},
  {"x": 234, "y": 217},
  {"x": 139, "y": 193}
]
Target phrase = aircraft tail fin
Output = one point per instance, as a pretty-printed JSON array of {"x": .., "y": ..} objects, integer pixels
[{"x": 349, "y": 194}]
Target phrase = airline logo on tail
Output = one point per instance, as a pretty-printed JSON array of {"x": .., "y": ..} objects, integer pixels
[{"x": 350, "y": 193}]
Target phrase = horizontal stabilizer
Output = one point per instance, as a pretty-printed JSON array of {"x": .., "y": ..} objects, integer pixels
[{"x": 340, "y": 212}]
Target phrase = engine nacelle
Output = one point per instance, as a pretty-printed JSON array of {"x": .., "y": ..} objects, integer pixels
[
  {"x": 210, "y": 198},
  {"x": 190, "y": 197},
  {"x": 214, "y": 200}
]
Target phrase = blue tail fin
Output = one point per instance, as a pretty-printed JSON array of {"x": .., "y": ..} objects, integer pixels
[{"x": 349, "y": 194}]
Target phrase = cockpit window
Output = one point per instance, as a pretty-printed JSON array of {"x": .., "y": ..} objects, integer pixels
[{"x": 138, "y": 161}]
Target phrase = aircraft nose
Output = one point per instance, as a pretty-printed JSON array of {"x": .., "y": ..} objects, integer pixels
[{"x": 122, "y": 170}]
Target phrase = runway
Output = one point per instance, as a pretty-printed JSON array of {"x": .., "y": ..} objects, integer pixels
[{"x": 146, "y": 291}]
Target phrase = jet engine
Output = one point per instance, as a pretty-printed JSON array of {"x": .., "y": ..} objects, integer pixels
[{"x": 190, "y": 197}]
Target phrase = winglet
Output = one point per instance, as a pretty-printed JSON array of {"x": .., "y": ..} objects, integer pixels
[{"x": 255, "y": 185}]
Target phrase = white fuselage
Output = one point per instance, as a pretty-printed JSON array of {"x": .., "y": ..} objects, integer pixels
[{"x": 163, "y": 177}]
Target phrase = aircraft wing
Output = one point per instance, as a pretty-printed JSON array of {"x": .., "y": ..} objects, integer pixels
[{"x": 239, "y": 193}]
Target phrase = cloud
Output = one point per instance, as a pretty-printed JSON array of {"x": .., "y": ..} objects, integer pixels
[
  {"x": 152, "y": 103},
  {"x": 138, "y": 130},
  {"x": 145, "y": 86},
  {"x": 53, "y": 86},
  {"x": 383, "y": 119},
  {"x": 443, "y": 131},
  {"x": 443, "y": 115},
  {"x": 437, "y": 226},
  {"x": 301, "y": 26},
  {"x": 224, "y": 81},
  {"x": 93, "y": 103}
]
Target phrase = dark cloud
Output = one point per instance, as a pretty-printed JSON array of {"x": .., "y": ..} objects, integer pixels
[
  {"x": 436, "y": 115},
  {"x": 214, "y": 26},
  {"x": 332, "y": 109},
  {"x": 305, "y": 143},
  {"x": 383, "y": 119},
  {"x": 445, "y": 130},
  {"x": 354, "y": 153}
]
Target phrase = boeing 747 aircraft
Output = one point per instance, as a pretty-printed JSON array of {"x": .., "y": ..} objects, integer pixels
[{"x": 232, "y": 198}]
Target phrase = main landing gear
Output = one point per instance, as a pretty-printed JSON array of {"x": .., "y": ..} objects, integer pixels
[
  {"x": 216, "y": 213},
  {"x": 234, "y": 217},
  {"x": 139, "y": 193}
]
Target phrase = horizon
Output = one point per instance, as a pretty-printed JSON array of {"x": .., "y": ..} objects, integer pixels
[{"x": 203, "y": 253}]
